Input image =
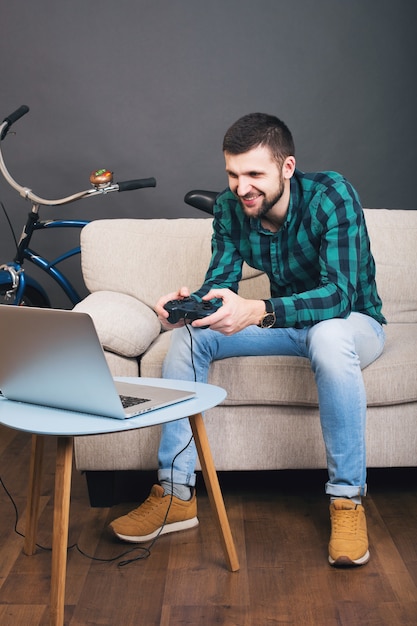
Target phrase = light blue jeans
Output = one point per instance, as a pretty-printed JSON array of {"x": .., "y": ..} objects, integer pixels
[{"x": 337, "y": 349}]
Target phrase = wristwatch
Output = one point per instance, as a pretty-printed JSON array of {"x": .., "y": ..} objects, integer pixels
[{"x": 269, "y": 318}]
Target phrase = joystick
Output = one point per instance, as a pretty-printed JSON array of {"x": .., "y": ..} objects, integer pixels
[{"x": 189, "y": 309}]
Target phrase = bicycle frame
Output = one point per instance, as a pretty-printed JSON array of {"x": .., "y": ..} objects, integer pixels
[{"x": 50, "y": 266}]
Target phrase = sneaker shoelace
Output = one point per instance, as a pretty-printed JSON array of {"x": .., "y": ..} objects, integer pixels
[
  {"x": 147, "y": 507},
  {"x": 345, "y": 520}
]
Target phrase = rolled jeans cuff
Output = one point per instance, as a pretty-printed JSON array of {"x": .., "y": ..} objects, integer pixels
[
  {"x": 180, "y": 478},
  {"x": 346, "y": 491}
]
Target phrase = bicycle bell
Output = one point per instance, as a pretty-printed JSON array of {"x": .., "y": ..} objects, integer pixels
[{"x": 101, "y": 178}]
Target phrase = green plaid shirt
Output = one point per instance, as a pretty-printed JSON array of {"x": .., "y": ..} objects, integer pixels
[{"x": 319, "y": 263}]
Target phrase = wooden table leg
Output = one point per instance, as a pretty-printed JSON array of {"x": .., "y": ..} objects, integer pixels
[
  {"x": 213, "y": 489},
  {"x": 60, "y": 529},
  {"x": 34, "y": 492}
]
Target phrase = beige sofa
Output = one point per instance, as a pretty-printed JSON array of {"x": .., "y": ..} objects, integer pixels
[{"x": 270, "y": 418}]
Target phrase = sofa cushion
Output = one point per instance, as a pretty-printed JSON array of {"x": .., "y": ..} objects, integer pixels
[
  {"x": 285, "y": 380},
  {"x": 124, "y": 325},
  {"x": 122, "y": 365}
]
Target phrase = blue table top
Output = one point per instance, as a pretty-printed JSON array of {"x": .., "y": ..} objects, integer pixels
[{"x": 42, "y": 420}]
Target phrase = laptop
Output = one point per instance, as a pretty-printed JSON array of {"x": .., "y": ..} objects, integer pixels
[{"x": 53, "y": 357}]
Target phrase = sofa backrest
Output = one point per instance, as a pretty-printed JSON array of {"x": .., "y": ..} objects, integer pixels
[
  {"x": 149, "y": 258},
  {"x": 393, "y": 235}
]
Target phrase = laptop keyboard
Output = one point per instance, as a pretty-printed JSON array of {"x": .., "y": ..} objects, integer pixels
[{"x": 128, "y": 401}]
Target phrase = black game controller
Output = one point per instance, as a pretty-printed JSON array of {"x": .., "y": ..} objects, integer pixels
[{"x": 188, "y": 309}]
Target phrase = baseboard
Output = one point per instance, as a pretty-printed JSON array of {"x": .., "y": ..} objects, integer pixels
[{"x": 106, "y": 489}]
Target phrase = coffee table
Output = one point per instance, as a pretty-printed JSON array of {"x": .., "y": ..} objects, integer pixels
[{"x": 65, "y": 425}]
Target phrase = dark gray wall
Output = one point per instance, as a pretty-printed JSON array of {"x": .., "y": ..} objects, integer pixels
[{"x": 147, "y": 87}]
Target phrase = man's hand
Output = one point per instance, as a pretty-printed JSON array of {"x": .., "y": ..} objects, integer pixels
[
  {"x": 163, "y": 313},
  {"x": 235, "y": 313}
]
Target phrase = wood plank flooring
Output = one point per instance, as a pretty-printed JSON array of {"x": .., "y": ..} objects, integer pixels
[{"x": 280, "y": 524}]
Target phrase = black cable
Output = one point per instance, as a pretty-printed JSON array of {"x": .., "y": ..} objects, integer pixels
[
  {"x": 191, "y": 351},
  {"x": 10, "y": 223},
  {"x": 7, "y": 492},
  {"x": 127, "y": 561},
  {"x": 145, "y": 550},
  {"x": 16, "y": 512}
]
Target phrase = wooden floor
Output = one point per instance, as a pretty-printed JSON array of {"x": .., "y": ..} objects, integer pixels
[{"x": 280, "y": 525}]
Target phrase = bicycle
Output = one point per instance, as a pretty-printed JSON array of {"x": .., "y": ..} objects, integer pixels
[{"x": 17, "y": 287}]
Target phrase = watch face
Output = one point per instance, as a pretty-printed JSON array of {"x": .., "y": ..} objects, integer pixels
[{"x": 268, "y": 321}]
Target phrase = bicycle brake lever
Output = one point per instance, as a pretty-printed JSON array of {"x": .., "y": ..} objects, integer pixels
[{"x": 12, "y": 118}]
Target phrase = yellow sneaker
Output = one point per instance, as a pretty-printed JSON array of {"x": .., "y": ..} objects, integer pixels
[
  {"x": 349, "y": 538},
  {"x": 158, "y": 515}
]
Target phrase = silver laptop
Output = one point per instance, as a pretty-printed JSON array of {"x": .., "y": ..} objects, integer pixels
[{"x": 54, "y": 358}]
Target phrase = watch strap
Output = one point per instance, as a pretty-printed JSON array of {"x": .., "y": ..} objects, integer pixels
[{"x": 268, "y": 319}]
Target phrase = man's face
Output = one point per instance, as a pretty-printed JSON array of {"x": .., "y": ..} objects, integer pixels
[{"x": 256, "y": 179}]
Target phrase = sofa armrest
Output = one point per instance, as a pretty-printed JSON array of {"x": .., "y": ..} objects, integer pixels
[{"x": 124, "y": 324}]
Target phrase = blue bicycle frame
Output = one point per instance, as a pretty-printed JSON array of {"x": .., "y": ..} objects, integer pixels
[{"x": 49, "y": 266}]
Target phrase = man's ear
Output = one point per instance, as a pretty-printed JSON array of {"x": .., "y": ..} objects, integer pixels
[{"x": 288, "y": 167}]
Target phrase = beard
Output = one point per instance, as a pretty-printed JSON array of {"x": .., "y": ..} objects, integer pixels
[{"x": 268, "y": 202}]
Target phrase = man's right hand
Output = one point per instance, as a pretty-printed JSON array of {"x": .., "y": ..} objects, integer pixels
[{"x": 162, "y": 313}]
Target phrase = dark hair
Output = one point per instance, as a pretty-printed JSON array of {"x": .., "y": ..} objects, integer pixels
[{"x": 259, "y": 129}]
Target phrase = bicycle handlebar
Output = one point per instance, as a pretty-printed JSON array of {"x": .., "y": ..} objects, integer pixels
[
  {"x": 140, "y": 183},
  {"x": 128, "y": 185},
  {"x": 25, "y": 192},
  {"x": 12, "y": 118}
]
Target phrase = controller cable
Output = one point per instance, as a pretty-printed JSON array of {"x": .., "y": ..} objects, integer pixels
[
  {"x": 145, "y": 551},
  {"x": 127, "y": 561}
]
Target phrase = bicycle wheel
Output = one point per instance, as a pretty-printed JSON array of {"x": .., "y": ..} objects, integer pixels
[{"x": 33, "y": 297}]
